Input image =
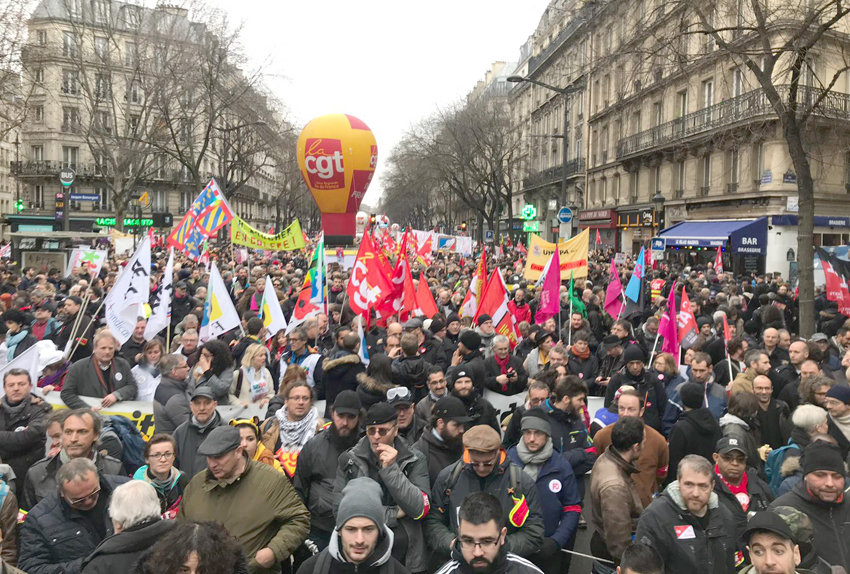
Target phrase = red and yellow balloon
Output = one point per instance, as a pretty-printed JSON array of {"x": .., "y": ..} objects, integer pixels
[{"x": 337, "y": 155}]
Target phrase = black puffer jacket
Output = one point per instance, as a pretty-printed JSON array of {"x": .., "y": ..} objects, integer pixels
[
  {"x": 371, "y": 390},
  {"x": 571, "y": 439},
  {"x": 696, "y": 432},
  {"x": 22, "y": 434},
  {"x": 438, "y": 453},
  {"x": 480, "y": 410},
  {"x": 649, "y": 385},
  {"x": 412, "y": 372},
  {"x": 41, "y": 478},
  {"x": 340, "y": 374},
  {"x": 120, "y": 551},
  {"x": 493, "y": 370}
]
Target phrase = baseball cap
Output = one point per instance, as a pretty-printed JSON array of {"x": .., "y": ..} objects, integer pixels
[
  {"x": 769, "y": 521},
  {"x": 347, "y": 403},
  {"x": 451, "y": 408},
  {"x": 203, "y": 391},
  {"x": 728, "y": 444}
]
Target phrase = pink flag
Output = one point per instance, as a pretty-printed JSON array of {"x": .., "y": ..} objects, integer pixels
[
  {"x": 669, "y": 329},
  {"x": 549, "y": 302},
  {"x": 613, "y": 303}
]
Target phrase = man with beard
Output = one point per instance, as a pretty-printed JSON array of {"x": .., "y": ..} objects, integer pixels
[
  {"x": 478, "y": 408},
  {"x": 468, "y": 358},
  {"x": 441, "y": 443},
  {"x": 569, "y": 435},
  {"x": 519, "y": 308},
  {"x": 756, "y": 362},
  {"x": 436, "y": 391},
  {"x": 647, "y": 384},
  {"x": 480, "y": 547},
  {"x": 556, "y": 485},
  {"x": 317, "y": 464}
]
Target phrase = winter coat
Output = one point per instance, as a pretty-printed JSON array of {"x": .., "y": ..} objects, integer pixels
[
  {"x": 652, "y": 464},
  {"x": 22, "y": 434},
  {"x": 220, "y": 384},
  {"x": 189, "y": 437},
  {"x": 340, "y": 374},
  {"x": 715, "y": 400},
  {"x": 586, "y": 369},
  {"x": 371, "y": 391},
  {"x": 571, "y": 439},
  {"x": 119, "y": 552},
  {"x": 506, "y": 563},
  {"x": 238, "y": 350},
  {"x": 650, "y": 386},
  {"x": 743, "y": 383},
  {"x": 734, "y": 427},
  {"x": 683, "y": 544},
  {"x": 413, "y": 431},
  {"x": 55, "y": 538},
  {"x": 63, "y": 334},
  {"x": 331, "y": 560},
  {"x": 831, "y": 523},
  {"x": 131, "y": 348},
  {"x": 412, "y": 372},
  {"x": 260, "y": 510},
  {"x": 486, "y": 343},
  {"x": 315, "y": 476},
  {"x": 615, "y": 503},
  {"x": 521, "y": 312},
  {"x": 41, "y": 478},
  {"x": 8, "y": 524},
  {"x": 533, "y": 365},
  {"x": 560, "y": 501},
  {"x": 760, "y": 499},
  {"x": 445, "y": 352},
  {"x": 438, "y": 454},
  {"x": 170, "y": 404},
  {"x": 82, "y": 381},
  {"x": 512, "y": 387},
  {"x": 404, "y": 485},
  {"x": 696, "y": 432},
  {"x": 24, "y": 344},
  {"x": 441, "y": 526},
  {"x": 473, "y": 363},
  {"x": 481, "y": 411}
]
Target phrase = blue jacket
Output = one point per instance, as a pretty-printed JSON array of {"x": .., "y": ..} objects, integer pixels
[
  {"x": 559, "y": 496},
  {"x": 571, "y": 439},
  {"x": 715, "y": 396}
]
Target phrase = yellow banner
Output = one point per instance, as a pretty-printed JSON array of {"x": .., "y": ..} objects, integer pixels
[
  {"x": 289, "y": 239},
  {"x": 573, "y": 255}
]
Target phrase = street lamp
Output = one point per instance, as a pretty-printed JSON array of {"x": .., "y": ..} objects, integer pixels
[
  {"x": 658, "y": 204},
  {"x": 565, "y": 92}
]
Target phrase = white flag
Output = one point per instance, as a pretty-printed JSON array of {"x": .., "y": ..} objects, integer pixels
[
  {"x": 131, "y": 291},
  {"x": 161, "y": 308},
  {"x": 270, "y": 311},
  {"x": 28, "y": 361},
  {"x": 363, "y": 352},
  {"x": 220, "y": 315},
  {"x": 91, "y": 258}
]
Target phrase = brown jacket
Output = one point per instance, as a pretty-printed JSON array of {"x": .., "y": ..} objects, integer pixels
[
  {"x": 8, "y": 524},
  {"x": 652, "y": 464},
  {"x": 743, "y": 382},
  {"x": 614, "y": 502}
]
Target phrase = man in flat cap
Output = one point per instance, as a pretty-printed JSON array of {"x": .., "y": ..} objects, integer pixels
[
  {"x": 485, "y": 466},
  {"x": 254, "y": 502},
  {"x": 402, "y": 473}
]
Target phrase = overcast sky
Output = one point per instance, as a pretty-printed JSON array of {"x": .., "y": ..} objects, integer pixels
[{"x": 389, "y": 63}]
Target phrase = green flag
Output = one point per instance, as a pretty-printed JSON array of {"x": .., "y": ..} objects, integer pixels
[{"x": 575, "y": 302}]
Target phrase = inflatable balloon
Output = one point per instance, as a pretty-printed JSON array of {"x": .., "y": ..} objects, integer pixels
[
  {"x": 362, "y": 220},
  {"x": 337, "y": 155}
]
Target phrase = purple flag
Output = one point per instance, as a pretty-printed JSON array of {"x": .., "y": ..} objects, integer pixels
[
  {"x": 549, "y": 302},
  {"x": 668, "y": 327},
  {"x": 613, "y": 304}
]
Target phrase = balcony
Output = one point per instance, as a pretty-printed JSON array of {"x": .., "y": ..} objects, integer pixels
[
  {"x": 566, "y": 33},
  {"x": 553, "y": 174},
  {"x": 50, "y": 168},
  {"x": 748, "y": 107}
]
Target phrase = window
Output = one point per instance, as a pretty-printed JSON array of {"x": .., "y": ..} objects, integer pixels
[
  {"x": 706, "y": 174},
  {"x": 604, "y": 193},
  {"x": 41, "y": 37},
  {"x": 37, "y": 153},
  {"x": 732, "y": 160},
  {"x": 101, "y": 47},
  {"x": 38, "y": 196},
  {"x": 634, "y": 186},
  {"x": 100, "y": 8},
  {"x": 132, "y": 17},
  {"x": 738, "y": 83},
  {"x": 707, "y": 100},
  {"x": 74, "y": 7},
  {"x": 38, "y": 76},
  {"x": 130, "y": 54},
  {"x": 162, "y": 167},
  {"x": 69, "y": 45},
  {"x": 100, "y": 164},
  {"x": 185, "y": 201},
  {"x": 616, "y": 189},
  {"x": 102, "y": 86},
  {"x": 70, "y": 82},
  {"x": 680, "y": 178},
  {"x": 158, "y": 201},
  {"x": 70, "y": 119},
  {"x": 70, "y": 156},
  {"x": 605, "y": 144},
  {"x": 134, "y": 92},
  {"x": 682, "y": 103},
  {"x": 104, "y": 123},
  {"x": 657, "y": 114},
  {"x": 103, "y": 203},
  {"x": 38, "y": 114}
]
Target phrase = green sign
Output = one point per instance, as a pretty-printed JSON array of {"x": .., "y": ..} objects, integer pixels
[
  {"x": 531, "y": 226},
  {"x": 529, "y": 212},
  {"x": 128, "y": 222}
]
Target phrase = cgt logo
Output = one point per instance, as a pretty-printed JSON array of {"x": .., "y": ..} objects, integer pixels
[
  {"x": 373, "y": 158},
  {"x": 324, "y": 163}
]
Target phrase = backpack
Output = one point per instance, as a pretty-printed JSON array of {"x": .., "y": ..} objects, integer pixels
[
  {"x": 773, "y": 465},
  {"x": 133, "y": 455},
  {"x": 513, "y": 470}
]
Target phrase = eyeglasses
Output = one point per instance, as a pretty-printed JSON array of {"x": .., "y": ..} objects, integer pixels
[
  {"x": 90, "y": 497},
  {"x": 479, "y": 464},
  {"x": 470, "y": 544},
  {"x": 372, "y": 431},
  {"x": 161, "y": 455}
]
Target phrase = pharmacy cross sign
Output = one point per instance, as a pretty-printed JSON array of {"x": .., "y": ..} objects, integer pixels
[{"x": 529, "y": 212}]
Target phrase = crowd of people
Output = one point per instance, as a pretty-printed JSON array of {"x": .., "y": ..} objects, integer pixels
[{"x": 731, "y": 457}]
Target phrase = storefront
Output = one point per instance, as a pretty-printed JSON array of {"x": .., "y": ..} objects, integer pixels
[
  {"x": 743, "y": 242},
  {"x": 636, "y": 228},
  {"x": 829, "y": 231},
  {"x": 603, "y": 220}
]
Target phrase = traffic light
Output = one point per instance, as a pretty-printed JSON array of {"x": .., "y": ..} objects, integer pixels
[
  {"x": 19, "y": 205},
  {"x": 372, "y": 219},
  {"x": 463, "y": 226}
]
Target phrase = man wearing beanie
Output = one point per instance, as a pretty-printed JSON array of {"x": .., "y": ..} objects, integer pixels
[
  {"x": 402, "y": 473},
  {"x": 469, "y": 357},
  {"x": 556, "y": 486},
  {"x": 714, "y": 396},
  {"x": 487, "y": 332},
  {"x": 837, "y": 402},
  {"x": 821, "y": 496},
  {"x": 696, "y": 431},
  {"x": 647, "y": 384},
  {"x": 361, "y": 538},
  {"x": 449, "y": 345},
  {"x": 442, "y": 441},
  {"x": 485, "y": 467}
]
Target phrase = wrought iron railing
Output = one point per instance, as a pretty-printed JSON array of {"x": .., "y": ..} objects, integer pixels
[{"x": 553, "y": 174}]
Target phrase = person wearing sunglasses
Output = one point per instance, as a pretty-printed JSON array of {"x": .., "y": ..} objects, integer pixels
[
  {"x": 402, "y": 473},
  {"x": 410, "y": 426},
  {"x": 70, "y": 522}
]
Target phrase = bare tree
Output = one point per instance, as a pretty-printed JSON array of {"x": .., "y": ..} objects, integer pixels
[{"x": 14, "y": 92}]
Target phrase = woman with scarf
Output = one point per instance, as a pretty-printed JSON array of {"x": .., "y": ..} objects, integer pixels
[
  {"x": 18, "y": 338},
  {"x": 503, "y": 372},
  {"x": 253, "y": 382},
  {"x": 146, "y": 372},
  {"x": 538, "y": 359},
  {"x": 292, "y": 426},
  {"x": 160, "y": 472},
  {"x": 580, "y": 361},
  {"x": 249, "y": 433}
]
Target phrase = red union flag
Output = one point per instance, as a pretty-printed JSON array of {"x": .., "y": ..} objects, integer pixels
[
  {"x": 368, "y": 286},
  {"x": 494, "y": 302},
  {"x": 687, "y": 322},
  {"x": 324, "y": 163}
]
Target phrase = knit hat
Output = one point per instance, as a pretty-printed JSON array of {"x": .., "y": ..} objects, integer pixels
[
  {"x": 361, "y": 497},
  {"x": 436, "y": 326},
  {"x": 633, "y": 353},
  {"x": 536, "y": 419},
  {"x": 453, "y": 318},
  {"x": 470, "y": 339},
  {"x": 703, "y": 321},
  {"x": 692, "y": 395},
  {"x": 839, "y": 392},
  {"x": 821, "y": 455},
  {"x": 483, "y": 318}
]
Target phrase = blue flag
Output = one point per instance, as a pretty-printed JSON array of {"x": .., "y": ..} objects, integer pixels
[{"x": 633, "y": 288}]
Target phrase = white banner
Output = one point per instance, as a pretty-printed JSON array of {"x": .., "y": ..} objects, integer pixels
[
  {"x": 130, "y": 292},
  {"x": 161, "y": 308},
  {"x": 270, "y": 311},
  {"x": 92, "y": 258}
]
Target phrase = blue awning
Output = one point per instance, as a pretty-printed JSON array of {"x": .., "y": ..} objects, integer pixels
[{"x": 748, "y": 236}]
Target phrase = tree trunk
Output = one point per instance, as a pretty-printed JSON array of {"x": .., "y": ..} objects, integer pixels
[{"x": 805, "y": 229}]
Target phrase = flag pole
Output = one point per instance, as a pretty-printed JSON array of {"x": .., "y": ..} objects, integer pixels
[
  {"x": 654, "y": 346},
  {"x": 79, "y": 318},
  {"x": 570, "y": 319}
]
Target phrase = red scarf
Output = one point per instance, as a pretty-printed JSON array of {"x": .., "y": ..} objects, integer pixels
[
  {"x": 582, "y": 356},
  {"x": 740, "y": 490},
  {"x": 503, "y": 363}
]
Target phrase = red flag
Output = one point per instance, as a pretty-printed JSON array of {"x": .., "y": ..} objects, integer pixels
[
  {"x": 470, "y": 305},
  {"x": 424, "y": 299},
  {"x": 727, "y": 335},
  {"x": 613, "y": 302},
  {"x": 521, "y": 248},
  {"x": 303, "y": 310},
  {"x": 424, "y": 251},
  {"x": 369, "y": 286},
  {"x": 598, "y": 238},
  {"x": 494, "y": 302},
  {"x": 687, "y": 322},
  {"x": 718, "y": 261}
]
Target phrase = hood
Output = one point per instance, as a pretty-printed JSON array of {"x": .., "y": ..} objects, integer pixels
[
  {"x": 728, "y": 419},
  {"x": 672, "y": 492},
  {"x": 380, "y": 556},
  {"x": 373, "y": 385},
  {"x": 790, "y": 465},
  {"x": 342, "y": 359},
  {"x": 702, "y": 419}
]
